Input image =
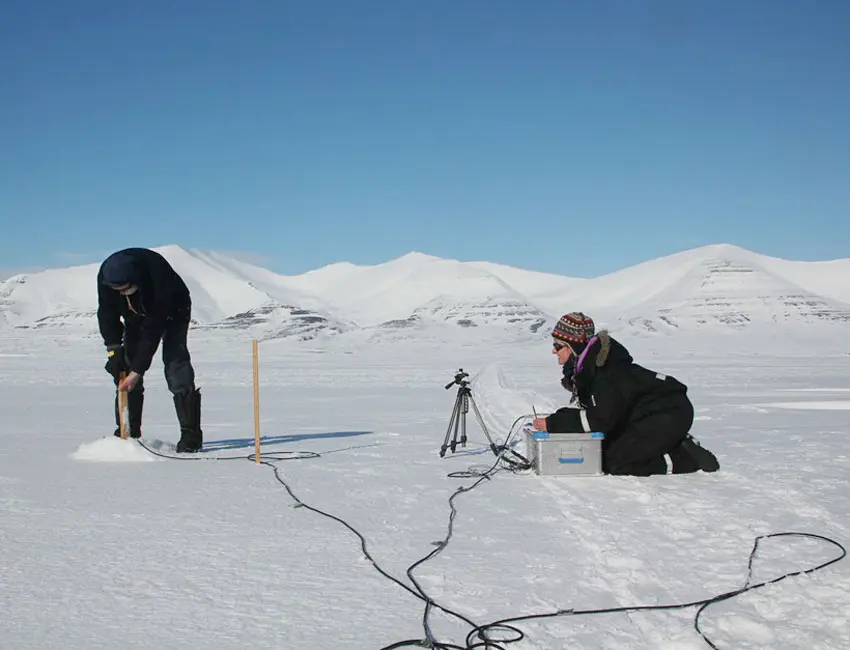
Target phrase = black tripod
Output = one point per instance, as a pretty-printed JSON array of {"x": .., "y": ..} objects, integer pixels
[{"x": 458, "y": 419}]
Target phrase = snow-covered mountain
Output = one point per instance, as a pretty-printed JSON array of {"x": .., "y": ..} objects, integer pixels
[
  {"x": 273, "y": 320},
  {"x": 724, "y": 286},
  {"x": 417, "y": 295},
  {"x": 226, "y": 294},
  {"x": 423, "y": 287}
]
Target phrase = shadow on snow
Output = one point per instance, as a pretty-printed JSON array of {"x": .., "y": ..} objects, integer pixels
[{"x": 241, "y": 443}]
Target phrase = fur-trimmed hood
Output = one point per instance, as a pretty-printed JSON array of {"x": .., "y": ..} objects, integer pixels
[{"x": 605, "y": 349}]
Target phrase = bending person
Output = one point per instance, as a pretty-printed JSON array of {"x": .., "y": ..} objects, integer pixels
[{"x": 139, "y": 287}]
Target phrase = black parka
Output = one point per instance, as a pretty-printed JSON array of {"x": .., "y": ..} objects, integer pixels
[
  {"x": 161, "y": 295},
  {"x": 613, "y": 392}
]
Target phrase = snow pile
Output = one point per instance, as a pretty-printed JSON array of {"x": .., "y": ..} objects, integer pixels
[{"x": 113, "y": 450}]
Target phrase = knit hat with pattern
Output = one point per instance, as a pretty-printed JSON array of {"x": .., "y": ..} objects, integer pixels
[{"x": 575, "y": 329}]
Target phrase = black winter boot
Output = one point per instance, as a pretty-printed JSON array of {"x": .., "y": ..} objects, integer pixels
[
  {"x": 689, "y": 456},
  {"x": 188, "y": 407},
  {"x": 135, "y": 404},
  {"x": 651, "y": 467}
]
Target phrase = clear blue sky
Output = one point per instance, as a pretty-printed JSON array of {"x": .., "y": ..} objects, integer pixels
[{"x": 571, "y": 137}]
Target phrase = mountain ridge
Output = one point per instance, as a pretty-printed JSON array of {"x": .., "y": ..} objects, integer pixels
[{"x": 718, "y": 285}]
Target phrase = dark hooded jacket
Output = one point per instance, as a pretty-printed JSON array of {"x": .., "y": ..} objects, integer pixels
[
  {"x": 613, "y": 391},
  {"x": 161, "y": 295}
]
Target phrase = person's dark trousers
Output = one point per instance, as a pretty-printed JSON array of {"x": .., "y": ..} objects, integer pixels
[
  {"x": 640, "y": 448},
  {"x": 180, "y": 377}
]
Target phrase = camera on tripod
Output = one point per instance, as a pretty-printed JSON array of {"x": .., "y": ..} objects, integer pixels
[
  {"x": 458, "y": 419},
  {"x": 460, "y": 379}
]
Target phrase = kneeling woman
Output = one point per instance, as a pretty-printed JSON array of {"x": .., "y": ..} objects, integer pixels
[{"x": 644, "y": 415}]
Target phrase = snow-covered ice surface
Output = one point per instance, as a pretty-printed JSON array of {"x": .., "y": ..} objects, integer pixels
[{"x": 104, "y": 544}]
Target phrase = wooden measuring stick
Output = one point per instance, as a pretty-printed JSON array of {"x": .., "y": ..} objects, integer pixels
[
  {"x": 256, "y": 402},
  {"x": 123, "y": 410}
]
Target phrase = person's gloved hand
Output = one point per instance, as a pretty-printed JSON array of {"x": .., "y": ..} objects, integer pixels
[
  {"x": 117, "y": 361},
  {"x": 130, "y": 381}
]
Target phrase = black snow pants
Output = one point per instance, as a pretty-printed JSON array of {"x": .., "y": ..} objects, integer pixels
[
  {"x": 638, "y": 449},
  {"x": 179, "y": 372}
]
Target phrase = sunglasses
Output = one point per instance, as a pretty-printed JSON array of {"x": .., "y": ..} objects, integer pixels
[{"x": 559, "y": 346}]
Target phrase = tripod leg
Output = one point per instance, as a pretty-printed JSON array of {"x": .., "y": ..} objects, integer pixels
[
  {"x": 461, "y": 417},
  {"x": 464, "y": 411},
  {"x": 452, "y": 422},
  {"x": 481, "y": 423}
]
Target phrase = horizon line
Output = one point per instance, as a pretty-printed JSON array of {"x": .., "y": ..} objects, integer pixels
[{"x": 247, "y": 255}]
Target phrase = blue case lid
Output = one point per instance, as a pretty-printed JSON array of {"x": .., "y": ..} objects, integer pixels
[{"x": 542, "y": 435}]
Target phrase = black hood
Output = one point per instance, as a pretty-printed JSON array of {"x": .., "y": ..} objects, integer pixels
[{"x": 119, "y": 269}]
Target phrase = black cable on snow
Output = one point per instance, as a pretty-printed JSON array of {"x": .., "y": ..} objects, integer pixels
[{"x": 486, "y": 636}]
